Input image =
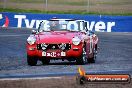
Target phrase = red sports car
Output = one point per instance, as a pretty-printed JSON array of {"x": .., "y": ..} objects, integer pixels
[{"x": 64, "y": 39}]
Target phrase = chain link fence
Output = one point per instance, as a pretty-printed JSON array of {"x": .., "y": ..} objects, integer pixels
[{"x": 99, "y": 6}]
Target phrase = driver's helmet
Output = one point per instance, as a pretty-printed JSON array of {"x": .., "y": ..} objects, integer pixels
[{"x": 54, "y": 25}]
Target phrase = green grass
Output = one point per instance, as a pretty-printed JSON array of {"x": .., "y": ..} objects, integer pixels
[
  {"x": 75, "y": 3},
  {"x": 62, "y": 12}
]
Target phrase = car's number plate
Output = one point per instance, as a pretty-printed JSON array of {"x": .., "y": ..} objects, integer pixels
[{"x": 53, "y": 54}]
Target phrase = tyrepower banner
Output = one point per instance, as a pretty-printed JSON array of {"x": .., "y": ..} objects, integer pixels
[{"x": 99, "y": 23}]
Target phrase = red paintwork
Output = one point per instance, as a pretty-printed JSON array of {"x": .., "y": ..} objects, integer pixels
[{"x": 55, "y": 37}]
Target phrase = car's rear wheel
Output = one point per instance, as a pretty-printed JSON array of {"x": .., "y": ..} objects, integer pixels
[
  {"x": 92, "y": 60},
  {"x": 45, "y": 61},
  {"x": 32, "y": 61},
  {"x": 83, "y": 59}
]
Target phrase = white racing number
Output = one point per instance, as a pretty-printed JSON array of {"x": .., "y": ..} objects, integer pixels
[
  {"x": 49, "y": 54},
  {"x": 53, "y": 54}
]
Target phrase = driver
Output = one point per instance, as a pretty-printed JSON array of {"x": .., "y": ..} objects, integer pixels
[{"x": 54, "y": 25}]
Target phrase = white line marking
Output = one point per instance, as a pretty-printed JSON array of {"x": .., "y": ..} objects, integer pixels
[{"x": 4, "y": 79}]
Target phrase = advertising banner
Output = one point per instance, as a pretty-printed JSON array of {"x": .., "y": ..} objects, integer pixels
[{"x": 99, "y": 23}]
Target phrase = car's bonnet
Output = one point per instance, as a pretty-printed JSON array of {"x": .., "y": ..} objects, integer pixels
[{"x": 57, "y": 37}]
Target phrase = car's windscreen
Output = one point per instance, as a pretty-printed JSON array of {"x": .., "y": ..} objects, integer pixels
[{"x": 61, "y": 25}]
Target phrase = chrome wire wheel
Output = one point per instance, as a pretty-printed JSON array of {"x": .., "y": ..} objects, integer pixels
[
  {"x": 92, "y": 60},
  {"x": 95, "y": 54},
  {"x": 83, "y": 59}
]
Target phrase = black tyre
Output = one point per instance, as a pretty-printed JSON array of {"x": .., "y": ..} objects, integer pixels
[
  {"x": 92, "y": 60},
  {"x": 45, "y": 61},
  {"x": 32, "y": 61},
  {"x": 83, "y": 59}
]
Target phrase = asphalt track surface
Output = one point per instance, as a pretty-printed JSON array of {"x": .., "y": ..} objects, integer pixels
[{"x": 114, "y": 56}]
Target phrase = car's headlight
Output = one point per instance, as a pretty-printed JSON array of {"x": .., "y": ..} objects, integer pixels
[
  {"x": 31, "y": 39},
  {"x": 76, "y": 41}
]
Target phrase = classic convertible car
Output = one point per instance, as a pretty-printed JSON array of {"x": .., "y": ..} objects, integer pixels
[{"x": 64, "y": 39}]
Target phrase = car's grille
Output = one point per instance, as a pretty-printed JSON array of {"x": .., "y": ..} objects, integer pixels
[{"x": 53, "y": 46}]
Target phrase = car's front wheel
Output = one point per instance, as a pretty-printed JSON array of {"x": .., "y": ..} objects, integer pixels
[
  {"x": 32, "y": 61},
  {"x": 83, "y": 59}
]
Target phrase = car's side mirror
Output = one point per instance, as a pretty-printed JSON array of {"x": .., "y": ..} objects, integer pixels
[{"x": 34, "y": 31}]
